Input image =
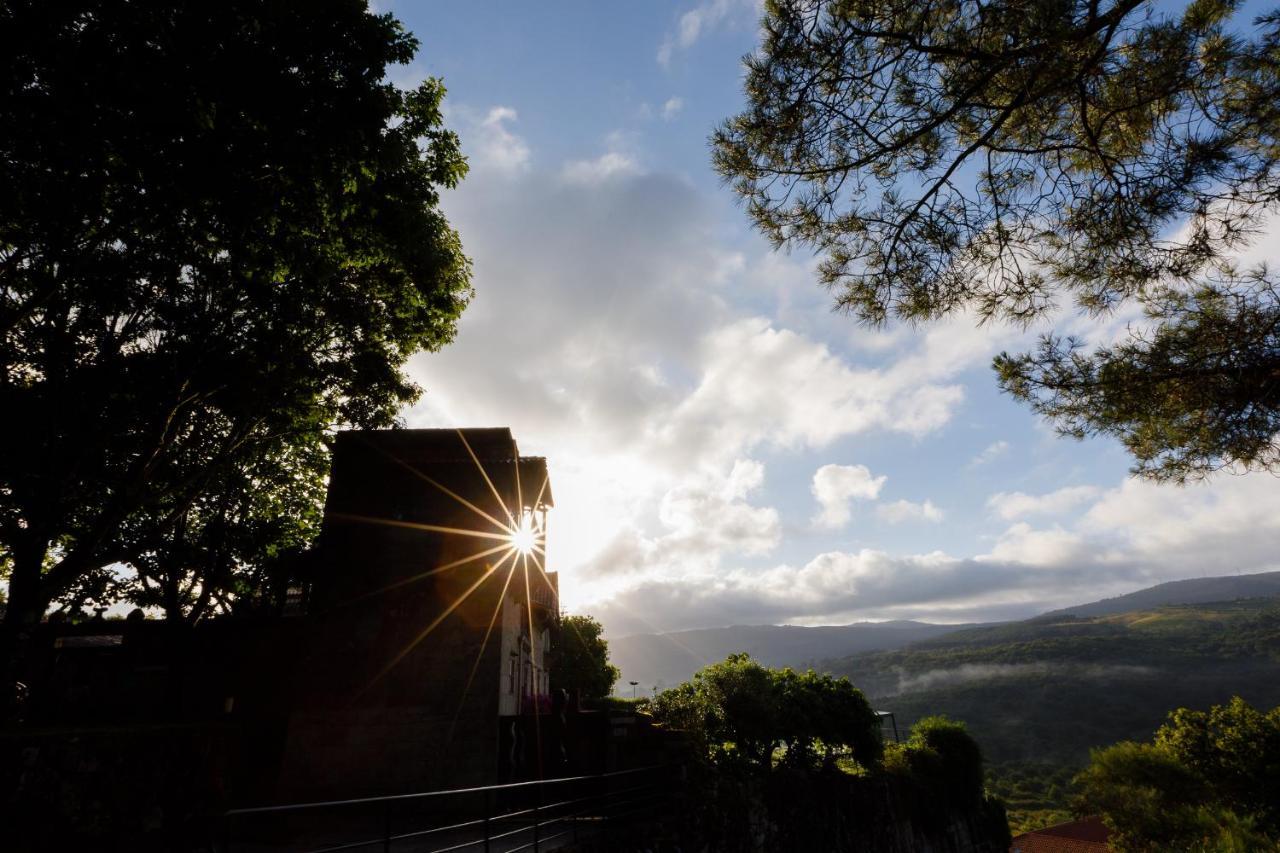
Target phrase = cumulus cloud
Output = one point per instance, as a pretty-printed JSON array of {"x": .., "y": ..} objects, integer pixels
[
  {"x": 749, "y": 367},
  {"x": 990, "y": 453},
  {"x": 836, "y": 587},
  {"x": 672, "y": 108},
  {"x": 703, "y": 522},
  {"x": 492, "y": 144},
  {"x": 903, "y": 511},
  {"x": 611, "y": 164},
  {"x": 700, "y": 20},
  {"x": 836, "y": 486},
  {"x": 601, "y": 334},
  {"x": 1011, "y": 505},
  {"x": 1133, "y": 535}
]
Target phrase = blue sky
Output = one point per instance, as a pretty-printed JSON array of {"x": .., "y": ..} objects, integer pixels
[{"x": 724, "y": 449}]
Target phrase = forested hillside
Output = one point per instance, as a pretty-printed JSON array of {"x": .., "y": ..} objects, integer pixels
[
  {"x": 1189, "y": 591},
  {"x": 1039, "y": 694}
]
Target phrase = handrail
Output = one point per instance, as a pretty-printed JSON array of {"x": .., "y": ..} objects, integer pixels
[
  {"x": 389, "y": 798},
  {"x": 530, "y": 816}
]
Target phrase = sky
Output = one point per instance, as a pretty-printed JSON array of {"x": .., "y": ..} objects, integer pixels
[{"x": 723, "y": 448}]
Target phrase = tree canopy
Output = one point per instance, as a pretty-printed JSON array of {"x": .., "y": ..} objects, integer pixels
[
  {"x": 1208, "y": 781},
  {"x": 738, "y": 710},
  {"x": 220, "y": 238},
  {"x": 1010, "y": 157},
  {"x": 580, "y": 659}
]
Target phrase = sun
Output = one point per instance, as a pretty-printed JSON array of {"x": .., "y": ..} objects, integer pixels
[{"x": 524, "y": 538}]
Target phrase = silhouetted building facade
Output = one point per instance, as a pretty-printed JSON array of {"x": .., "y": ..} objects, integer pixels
[
  {"x": 407, "y": 655},
  {"x": 431, "y": 612}
]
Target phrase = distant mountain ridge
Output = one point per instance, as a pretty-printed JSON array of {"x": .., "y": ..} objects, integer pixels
[
  {"x": 1191, "y": 591},
  {"x": 665, "y": 660}
]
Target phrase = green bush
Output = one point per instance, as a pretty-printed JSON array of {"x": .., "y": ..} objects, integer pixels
[
  {"x": 1208, "y": 782},
  {"x": 740, "y": 711},
  {"x": 942, "y": 758}
]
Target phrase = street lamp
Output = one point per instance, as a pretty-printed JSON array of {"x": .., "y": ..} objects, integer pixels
[{"x": 633, "y": 689}]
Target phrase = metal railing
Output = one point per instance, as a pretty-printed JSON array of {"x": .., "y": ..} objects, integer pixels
[{"x": 521, "y": 816}]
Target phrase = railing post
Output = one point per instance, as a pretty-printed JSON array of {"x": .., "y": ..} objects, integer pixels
[
  {"x": 605, "y": 805},
  {"x": 386, "y": 827},
  {"x": 537, "y": 800},
  {"x": 486, "y": 820}
]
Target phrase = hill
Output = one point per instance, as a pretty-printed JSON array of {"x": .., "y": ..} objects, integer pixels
[
  {"x": 1039, "y": 694},
  {"x": 664, "y": 660},
  {"x": 1049, "y": 688},
  {"x": 1193, "y": 591}
]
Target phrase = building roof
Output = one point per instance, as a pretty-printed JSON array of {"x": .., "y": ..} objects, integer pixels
[
  {"x": 1088, "y": 835},
  {"x": 488, "y": 446}
]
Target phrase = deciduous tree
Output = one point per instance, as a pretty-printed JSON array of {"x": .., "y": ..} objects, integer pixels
[
  {"x": 220, "y": 237},
  {"x": 580, "y": 659},
  {"x": 1208, "y": 781},
  {"x": 739, "y": 710}
]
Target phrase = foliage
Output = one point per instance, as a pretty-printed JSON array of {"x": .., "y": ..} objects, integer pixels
[
  {"x": 941, "y": 756},
  {"x": 580, "y": 659},
  {"x": 740, "y": 711},
  {"x": 1034, "y": 793},
  {"x": 819, "y": 715},
  {"x": 998, "y": 156},
  {"x": 236, "y": 544},
  {"x": 1235, "y": 748},
  {"x": 795, "y": 761},
  {"x": 1207, "y": 782},
  {"x": 220, "y": 238}
]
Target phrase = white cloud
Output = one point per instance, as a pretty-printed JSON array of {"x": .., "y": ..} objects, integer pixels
[
  {"x": 1134, "y": 535},
  {"x": 700, "y": 20},
  {"x": 717, "y": 520},
  {"x": 672, "y": 108},
  {"x": 836, "y": 486},
  {"x": 491, "y": 144},
  {"x": 839, "y": 587},
  {"x": 748, "y": 368},
  {"x": 612, "y": 164},
  {"x": 601, "y": 334},
  {"x": 903, "y": 511},
  {"x": 1011, "y": 505},
  {"x": 703, "y": 521},
  {"x": 1231, "y": 523},
  {"x": 990, "y": 453}
]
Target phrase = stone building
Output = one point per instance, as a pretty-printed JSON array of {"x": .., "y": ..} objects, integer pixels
[{"x": 430, "y": 615}]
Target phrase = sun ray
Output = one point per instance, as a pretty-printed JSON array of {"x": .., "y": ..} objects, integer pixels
[
  {"x": 492, "y": 488},
  {"x": 437, "y": 570},
  {"x": 440, "y": 618},
  {"x": 519, "y": 494},
  {"x": 475, "y": 667},
  {"x": 538, "y": 563},
  {"x": 426, "y": 528},
  {"x": 457, "y": 497},
  {"x": 546, "y": 478}
]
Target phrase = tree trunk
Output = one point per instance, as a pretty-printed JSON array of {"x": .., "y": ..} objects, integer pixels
[
  {"x": 27, "y": 600},
  {"x": 26, "y": 604}
]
